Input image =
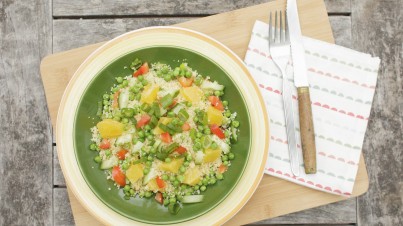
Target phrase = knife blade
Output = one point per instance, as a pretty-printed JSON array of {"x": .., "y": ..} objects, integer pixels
[{"x": 302, "y": 84}]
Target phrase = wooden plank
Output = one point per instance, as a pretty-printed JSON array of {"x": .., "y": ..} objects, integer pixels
[
  {"x": 57, "y": 69},
  {"x": 98, "y": 30},
  {"x": 78, "y": 8},
  {"x": 377, "y": 29},
  {"x": 62, "y": 214},
  {"x": 343, "y": 212},
  {"x": 341, "y": 27},
  {"x": 338, "y": 6},
  {"x": 58, "y": 178},
  {"x": 25, "y": 158}
]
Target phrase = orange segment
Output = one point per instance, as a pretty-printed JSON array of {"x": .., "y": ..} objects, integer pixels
[
  {"x": 214, "y": 116},
  {"x": 211, "y": 155},
  {"x": 192, "y": 94},
  {"x": 135, "y": 172},
  {"x": 192, "y": 176},
  {"x": 109, "y": 128},
  {"x": 149, "y": 94}
]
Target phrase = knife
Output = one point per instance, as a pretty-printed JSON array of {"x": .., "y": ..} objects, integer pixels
[{"x": 301, "y": 82}]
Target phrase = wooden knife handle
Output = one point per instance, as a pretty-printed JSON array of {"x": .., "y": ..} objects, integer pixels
[{"x": 306, "y": 129}]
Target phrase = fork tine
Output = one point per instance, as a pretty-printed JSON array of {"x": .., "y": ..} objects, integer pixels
[
  {"x": 287, "y": 32},
  {"x": 276, "y": 33},
  {"x": 281, "y": 27},
  {"x": 270, "y": 28}
]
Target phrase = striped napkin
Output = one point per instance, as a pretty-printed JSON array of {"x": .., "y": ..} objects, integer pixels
[{"x": 342, "y": 85}]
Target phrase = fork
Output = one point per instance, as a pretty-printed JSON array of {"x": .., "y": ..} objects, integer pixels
[{"x": 280, "y": 51}]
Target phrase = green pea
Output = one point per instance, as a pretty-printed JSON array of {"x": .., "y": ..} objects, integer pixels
[
  {"x": 125, "y": 166},
  {"x": 176, "y": 183},
  {"x": 144, "y": 82},
  {"x": 199, "y": 80},
  {"x": 186, "y": 163},
  {"x": 188, "y": 104},
  {"x": 140, "y": 78},
  {"x": 183, "y": 186},
  {"x": 207, "y": 131},
  {"x": 199, "y": 135},
  {"x": 150, "y": 137},
  {"x": 197, "y": 145},
  {"x": 98, "y": 159},
  {"x": 203, "y": 188},
  {"x": 225, "y": 163},
  {"x": 117, "y": 118},
  {"x": 141, "y": 194},
  {"x": 205, "y": 181},
  {"x": 195, "y": 119},
  {"x": 131, "y": 191},
  {"x": 105, "y": 102},
  {"x": 176, "y": 73},
  {"x": 231, "y": 156},
  {"x": 224, "y": 158},
  {"x": 149, "y": 163},
  {"x": 153, "y": 151},
  {"x": 141, "y": 134},
  {"x": 167, "y": 78},
  {"x": 172, "y": 178},
  {"x": 166, "y": 202},
  {"x": 105, "y": 96},
  {"x": 212, "y": 181},
  {"x": 235, "y": 124},
  {"x": 126, "y": 188},
  {"x": 137, "y": 97},
  {"x": 225, "y": 103},
  {"x": 227, "y": 114},
  {"x": 200, "y": 128},
  {"x": 146, "y": 170},
  {"x": 147, "y": 127},
  {"x": 180, "y": 178},
  {"x": 189, "y": 158},
  {"x": 172, "y": 200},
  {"x": 126, "y": 197},
  {"x": 196, "y": 187},
  {"x": 125, "y": 120},
  {"x": 125, "y": 83},
  {"x": 188, "y": 74},
  {"x": 164, "y": 177},
  {"x": 182, "y": 169},
  {"x": 214, "y": 145},
  {"x": 217, "y": 93},
  {"x": 108, "y": 152},
  {"x": 131, "y": 96},
  {"x": 167, "y": 160},
  {"x": 119, "y": 79},
  {"x": 200, "y": 183},
  {"x": 93, "y": 147},
  {"x": 148, "y": 194}
]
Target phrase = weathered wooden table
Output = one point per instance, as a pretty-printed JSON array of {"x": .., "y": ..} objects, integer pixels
[{"x": 33, "y": 191}]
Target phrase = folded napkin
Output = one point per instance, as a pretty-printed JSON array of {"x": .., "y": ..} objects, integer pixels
[{"x": 342, "y": 85}]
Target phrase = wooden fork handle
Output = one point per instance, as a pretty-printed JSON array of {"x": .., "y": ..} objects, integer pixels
[{"x": 306, "y": 129}]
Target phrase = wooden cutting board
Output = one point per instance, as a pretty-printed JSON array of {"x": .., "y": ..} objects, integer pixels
[{"x": 274, "y": 197}]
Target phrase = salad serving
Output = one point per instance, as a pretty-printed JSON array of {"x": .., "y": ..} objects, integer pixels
[{"x": 164, "y": 132}]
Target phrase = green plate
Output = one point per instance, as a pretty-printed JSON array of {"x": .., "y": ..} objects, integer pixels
[{"x": 148, "y": 210}]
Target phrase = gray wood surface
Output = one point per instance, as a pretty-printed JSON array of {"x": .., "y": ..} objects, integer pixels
[
  {"x": 26, "y": 145},
  {"x": 377, "y": 29},
  {"x": 99, "y": 8},
  {"x": 33, "y": 189},
  {"x": 62, "y": 214}
]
